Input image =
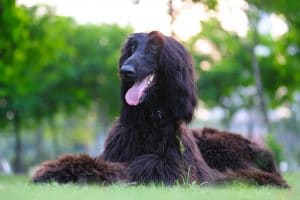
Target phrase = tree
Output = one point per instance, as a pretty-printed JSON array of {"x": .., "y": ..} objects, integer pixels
[
  {"x": 285, "y": 49},
  {"x": 12, "y": 45},
  {"x": 233, "y": 70},
  {"x": 50, "y": 64},
  {"x": 223, "y": 69}
]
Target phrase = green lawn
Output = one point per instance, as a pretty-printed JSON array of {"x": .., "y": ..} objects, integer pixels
[{"x": 19, "y": 188}]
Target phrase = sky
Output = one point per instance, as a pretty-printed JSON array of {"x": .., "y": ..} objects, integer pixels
[{"x": 150, "y": 14}]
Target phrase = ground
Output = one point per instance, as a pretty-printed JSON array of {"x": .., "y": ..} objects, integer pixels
[{"x": 12, "y": 187}]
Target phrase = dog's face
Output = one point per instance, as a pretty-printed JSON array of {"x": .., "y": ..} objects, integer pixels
[
  {"x": 157, "y": 69},
  {"x": 140, "y": 65}
]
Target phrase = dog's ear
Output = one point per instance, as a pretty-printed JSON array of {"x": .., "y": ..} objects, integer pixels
[{"x": 178, "y": 71}]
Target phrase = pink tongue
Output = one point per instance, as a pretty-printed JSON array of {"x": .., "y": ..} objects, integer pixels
[{"x": 134, "y": 94}]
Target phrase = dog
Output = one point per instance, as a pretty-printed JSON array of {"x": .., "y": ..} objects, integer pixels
[{"x": 150, "y": 142}]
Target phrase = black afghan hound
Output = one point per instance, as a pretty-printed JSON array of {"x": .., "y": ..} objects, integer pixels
[{"x": 150, "y": 142}]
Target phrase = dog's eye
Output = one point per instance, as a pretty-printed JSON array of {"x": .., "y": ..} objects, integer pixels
[
  {"x": 132, "y": 47},
  {"x": 154, "y": 49}
]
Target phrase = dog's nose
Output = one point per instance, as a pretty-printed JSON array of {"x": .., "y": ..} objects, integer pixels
[{"x": 127, "y": 70}]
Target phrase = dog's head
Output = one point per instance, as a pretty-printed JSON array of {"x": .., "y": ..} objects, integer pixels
[{"x": 154, "y": 67}]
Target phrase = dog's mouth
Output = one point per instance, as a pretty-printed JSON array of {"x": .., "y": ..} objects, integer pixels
[{"x": 138, "y": 90}]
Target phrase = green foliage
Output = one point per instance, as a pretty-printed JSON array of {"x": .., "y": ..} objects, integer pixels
[
  {"x": 229, "y": 68},
  {"x": 275, "y": 147},
  {"x": 96, "y": 62},
  {"x": 50, "y": 64},
  {"x": 220, "y": 83},
  {"x": 289, "y": 8},
  {"x": 211, "y": 4},
  {"x": 233, "y": 64},
  {"x": 285, "y": 55}
]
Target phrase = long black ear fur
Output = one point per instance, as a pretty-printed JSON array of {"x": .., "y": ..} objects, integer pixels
[{"x": 178, "y": 70}]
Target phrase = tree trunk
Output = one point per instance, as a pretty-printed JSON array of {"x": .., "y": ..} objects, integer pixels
[
  {"x": 227, "y": 117},
  {"x": 39, "y": 144},
  {"x": 253, "y": 15},
  {"x": 293, "y": 118},
  {"x": 18, "y": 162},
  {"x": 55, "y": 137},
  {"x": 172, "y": 15},
  {"x": 259, "y": 89},
  {"x": 102, "y": 125},
  {"x": 250, "y": 125}
]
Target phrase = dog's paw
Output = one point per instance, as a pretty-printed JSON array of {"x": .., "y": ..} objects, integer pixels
[
  {"x": 80, "y": 169},
  {"x": 47, "y": 172}
]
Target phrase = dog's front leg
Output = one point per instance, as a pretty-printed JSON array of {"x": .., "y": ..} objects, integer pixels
[
  {"x": 80, "y": 169},
  {"x": 152, "y": 168}
]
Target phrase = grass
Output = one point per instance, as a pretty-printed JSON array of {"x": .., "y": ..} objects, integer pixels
[{"x": 15, "y": 187}]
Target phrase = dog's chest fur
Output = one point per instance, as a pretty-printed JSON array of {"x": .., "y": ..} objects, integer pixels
[{"x": 142, "y": 133}]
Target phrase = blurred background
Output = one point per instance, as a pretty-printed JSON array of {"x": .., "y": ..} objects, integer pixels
[{"x": 59, "y": 88}]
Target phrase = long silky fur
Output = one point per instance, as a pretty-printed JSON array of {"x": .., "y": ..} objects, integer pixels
[{"x": 152, "y": 143}]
